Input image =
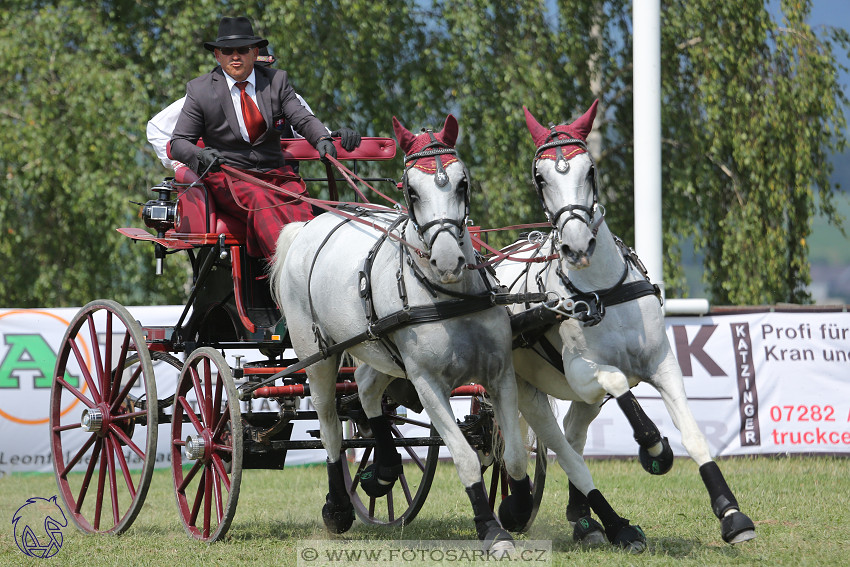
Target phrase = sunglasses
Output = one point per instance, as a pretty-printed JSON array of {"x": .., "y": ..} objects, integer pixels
[{"x": 239, "y": 50}]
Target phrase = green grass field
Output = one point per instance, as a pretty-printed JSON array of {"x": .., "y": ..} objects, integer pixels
[{"x": 801, "y": 507}]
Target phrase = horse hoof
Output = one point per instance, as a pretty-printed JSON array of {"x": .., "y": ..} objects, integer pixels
[
  {"x": 498, "y": 543},
  {"x": 588, "y": 532},
  {"x": 512, "y": 517},
  {"x": 630, "y": 538},
  {"x": 660, "y": 464},
  {"x": 737, "y": 527},
  {"x": 338, "y": 519},
  {"x": 370, "y": 484}
]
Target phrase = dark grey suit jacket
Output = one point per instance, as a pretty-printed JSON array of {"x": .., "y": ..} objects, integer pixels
[{"x": 208, "y": 113}]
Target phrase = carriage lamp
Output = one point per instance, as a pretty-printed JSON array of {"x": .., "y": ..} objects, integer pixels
[{"x": 162, "y": 214}]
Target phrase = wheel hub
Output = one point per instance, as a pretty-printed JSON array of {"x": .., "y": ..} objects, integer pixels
[
  {"x": 92, "y": 420},
  {"x": 194, "y": 447}
]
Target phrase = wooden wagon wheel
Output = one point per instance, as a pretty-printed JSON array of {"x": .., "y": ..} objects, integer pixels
[
  {"x": 493, "y": 465},
  {"x": 206, "y": 438},
  {"x": 102, "y": 429},
  {"x": 401, "y": 505}
]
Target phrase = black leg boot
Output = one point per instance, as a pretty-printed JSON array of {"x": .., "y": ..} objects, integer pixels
[
  {"x": 586, "y": 530},
  {"x": 735, "y": 526},
  {"x": 515, "y": 510},
  {"x": 647, "y": 435},
  {"x": 378, "y": 478},
  {"x": 618, "y": 530},
  {"x": 490, "y": 532},
  {"x": 338, "y": 512}
]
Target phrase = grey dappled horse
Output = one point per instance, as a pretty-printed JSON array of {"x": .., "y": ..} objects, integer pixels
[
  {"x": 333, "y": 277},
  {"x": 612, "y": 335}
]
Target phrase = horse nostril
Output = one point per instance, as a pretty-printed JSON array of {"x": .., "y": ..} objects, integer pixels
[
  {"x": 565, "y": 251},
  {"x": 591, "y": 246}
]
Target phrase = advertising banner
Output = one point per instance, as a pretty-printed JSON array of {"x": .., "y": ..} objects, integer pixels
[{"x": 757, "y": 383}]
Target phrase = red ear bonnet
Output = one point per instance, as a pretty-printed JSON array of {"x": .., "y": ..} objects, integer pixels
[
  {"x": 448, "y": 135},
  {"x": 538, "y": 133},
  {"x": 584, "y": 125},
  {"x": 579, "y": 129},
  {"x": 412, "y": 143},
  {"x": 404, "y": 136}
]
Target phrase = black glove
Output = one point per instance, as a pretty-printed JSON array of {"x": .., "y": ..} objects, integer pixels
[
  {"x": 325, "y": 147},
  {"x": 349, "y": 139},
  {"x": 209, "y": 159}
]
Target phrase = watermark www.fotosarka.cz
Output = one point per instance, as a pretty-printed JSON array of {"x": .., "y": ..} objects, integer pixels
[{"x": 320, "y": 553}]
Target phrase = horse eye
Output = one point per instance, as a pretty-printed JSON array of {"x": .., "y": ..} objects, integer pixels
[
  {"x": 412, "y": 196},
  {"x": 539, "y": 180},
  {"x": 462, "y": 185}
]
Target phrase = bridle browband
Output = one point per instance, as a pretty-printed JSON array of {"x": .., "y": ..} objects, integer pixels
[
  {"x": 434, "y": 149},
  {"x": 562, "y": 166}
]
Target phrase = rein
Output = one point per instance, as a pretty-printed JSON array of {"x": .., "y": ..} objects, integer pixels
[
  {"x": 327, "y": 206},
  {"x": 378, "y": 328}
]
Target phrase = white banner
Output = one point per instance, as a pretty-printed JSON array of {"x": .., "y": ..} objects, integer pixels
[{"x": 758, "y": 383}]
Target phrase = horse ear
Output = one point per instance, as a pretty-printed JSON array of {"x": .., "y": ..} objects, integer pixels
[
  {"x": 584, "y": 125},
  {"x": 404, "y": 136},
  {"x": 538, "y": 133},
  {"x": 448, "y": 135}
]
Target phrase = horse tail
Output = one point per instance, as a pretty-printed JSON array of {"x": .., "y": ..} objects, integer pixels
[{"x": 284, "y": 242}]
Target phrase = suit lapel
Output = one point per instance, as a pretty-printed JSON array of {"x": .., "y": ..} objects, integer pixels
[
  {"x": 222, "y": 93},
  {"x": 264, "y": 98}
]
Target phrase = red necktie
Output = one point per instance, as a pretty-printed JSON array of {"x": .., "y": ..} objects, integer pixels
[{"x": 254, "y": 122}]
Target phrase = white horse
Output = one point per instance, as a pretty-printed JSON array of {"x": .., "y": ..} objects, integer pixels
[
  {"x": 612, "y": 335},
  {"x": 336, "y": 279}
]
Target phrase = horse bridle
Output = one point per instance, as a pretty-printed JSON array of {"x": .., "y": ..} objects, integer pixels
[
  {"x": 434, "y": 149},
  {"x": 562, "y": 166}
]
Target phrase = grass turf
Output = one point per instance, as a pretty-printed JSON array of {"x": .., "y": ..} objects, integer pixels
[{"x": 799, "y": 505}]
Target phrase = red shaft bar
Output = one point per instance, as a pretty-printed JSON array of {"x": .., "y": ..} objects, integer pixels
[{"x": 347, "y": 388}]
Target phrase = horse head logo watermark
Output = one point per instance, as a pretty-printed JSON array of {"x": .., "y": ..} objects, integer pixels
[{"x": 38, "y": 527}]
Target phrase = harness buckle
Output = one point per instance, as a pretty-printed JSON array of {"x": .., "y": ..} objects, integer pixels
[
  {"x": 535, "y": 237},
  {"x": 370, "y": 332}
]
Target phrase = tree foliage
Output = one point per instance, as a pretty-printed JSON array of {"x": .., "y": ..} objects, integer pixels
[{"x": 752, "y": 108}]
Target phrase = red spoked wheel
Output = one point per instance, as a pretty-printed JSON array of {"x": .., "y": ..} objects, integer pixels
[
  {"x": 401, "y": 505},
  {"x": 206, "y": 445},
  {"x": 102, "y": 427}
]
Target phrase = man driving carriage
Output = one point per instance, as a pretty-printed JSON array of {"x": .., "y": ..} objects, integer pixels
[
  {"x": 161, "y": 126},
  {"x": 241, "y": 110}
]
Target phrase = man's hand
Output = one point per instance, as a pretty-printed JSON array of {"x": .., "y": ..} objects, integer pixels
[
  {"x": 209, "y": 159},
  {"x": 325, "y": 147},
  {"x": 349, "y": 139}
]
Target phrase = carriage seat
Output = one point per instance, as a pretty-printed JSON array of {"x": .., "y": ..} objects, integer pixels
[{"x": 196, "y": 205}]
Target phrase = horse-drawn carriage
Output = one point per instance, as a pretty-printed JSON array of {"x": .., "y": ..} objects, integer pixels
[
  {"x": 603, "y": 327},
  {"x": 114, "y": 386}
]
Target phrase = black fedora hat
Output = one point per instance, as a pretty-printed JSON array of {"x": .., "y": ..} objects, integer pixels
[{"x": 235, "y": 32}]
